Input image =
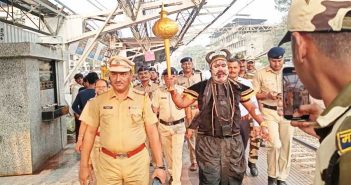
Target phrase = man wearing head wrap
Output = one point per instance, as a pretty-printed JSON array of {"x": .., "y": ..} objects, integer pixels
[
  {"x": 320, "y": 34},
  {"x": 219, "y": 147}
]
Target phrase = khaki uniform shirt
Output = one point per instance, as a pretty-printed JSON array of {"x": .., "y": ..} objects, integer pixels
[
  {"x": 267, "y": 80},
  {"x": 149, "y": 89},
  {"x": 338, "y": 116},
  {"x": 187, "y": 82},
  {"x": 250, "y": 74},
  {"x": 168, "y": 111},
  {"x": 122, "y": 122}
]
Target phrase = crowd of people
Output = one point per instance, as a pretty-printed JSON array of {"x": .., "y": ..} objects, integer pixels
[{"x": 124, "y": 129}]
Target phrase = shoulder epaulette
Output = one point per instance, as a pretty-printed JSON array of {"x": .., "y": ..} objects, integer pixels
[
  {"x": 91, "y": 99},
  {"x": 138, "y": 91},
  {"x": 343, "y": 136}
]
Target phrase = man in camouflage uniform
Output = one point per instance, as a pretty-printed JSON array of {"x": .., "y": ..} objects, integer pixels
[
  {"x": 250, "y": 68},
  {"x": 321, "y": 42},
  {"x": 254, "y": 138},
  {"x": 249, "y": 129}
]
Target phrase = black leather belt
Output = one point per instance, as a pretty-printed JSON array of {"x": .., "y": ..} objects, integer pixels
[
  {"x": 234, "y": 134},
  {"x": 270, "y": 107},
  {"x": 172, "y": 122}
]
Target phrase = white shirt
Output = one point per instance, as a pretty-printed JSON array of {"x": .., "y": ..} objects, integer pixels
[{"x": 253, "y": 99}]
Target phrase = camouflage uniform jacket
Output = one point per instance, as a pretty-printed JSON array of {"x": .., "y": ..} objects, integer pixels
[{"x": 333, "y": 164}]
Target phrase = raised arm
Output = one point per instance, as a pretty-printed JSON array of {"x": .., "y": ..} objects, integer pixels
[{"x": 180, "y": 101}]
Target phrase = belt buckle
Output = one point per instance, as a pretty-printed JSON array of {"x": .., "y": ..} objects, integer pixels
[
  {"x": 169, "y": 123},
  {"x": 125, "y": 155}
]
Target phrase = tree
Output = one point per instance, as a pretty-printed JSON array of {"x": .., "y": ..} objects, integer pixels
[
  {"x": 282, "y": 5},
  {"x": 198, "y": 54}
]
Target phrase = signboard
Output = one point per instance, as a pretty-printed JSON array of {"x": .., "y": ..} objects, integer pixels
[
  {"x": 81, "y": 46},
  {"x": 149, "y": 56}
]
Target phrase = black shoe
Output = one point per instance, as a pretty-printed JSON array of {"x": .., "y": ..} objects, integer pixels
[
  {"x": 262, "y": 143},
  {"x": 253, "y": 169},
  {"x": 279, "y": 182},
  {"x": 272, "y": 181}
]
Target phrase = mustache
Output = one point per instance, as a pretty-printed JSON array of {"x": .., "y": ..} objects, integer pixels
[{"x": 222, "y": 73}]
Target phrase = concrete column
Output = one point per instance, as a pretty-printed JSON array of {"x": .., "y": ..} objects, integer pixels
[{"x": 26, "y": 142}]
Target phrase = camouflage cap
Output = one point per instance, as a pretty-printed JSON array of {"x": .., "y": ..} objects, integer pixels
[
  {"x": 318, "y": 16},
  {"x": 239, "y": 56},
  {"x": 120, "y": 64}
]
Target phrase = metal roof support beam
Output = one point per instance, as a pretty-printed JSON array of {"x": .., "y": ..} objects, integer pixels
[
  {"x": 189, "y": 21},
  {"x": 47, "y": 26},
  {"x": 214, "y": 20},
  {"x": 94, "y": 41},
  {"x": 23, "y": 26},
  {"x": 173, "y": 9},
  {"x": 49, "y": 7},
  {"x": 27, "y": 9},
  {"x": 141, "y": 54},
  {"x": 63, "y": 5}
]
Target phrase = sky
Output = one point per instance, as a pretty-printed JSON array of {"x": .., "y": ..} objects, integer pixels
[{"x": 262, "y": 9}]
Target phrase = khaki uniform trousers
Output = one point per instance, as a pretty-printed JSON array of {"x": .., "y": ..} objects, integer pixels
[
  {"x": 94, "y": 156},
  {"x": 192, "y": 140},
  {"x": 279, "y": 146},
  {"x": 172, "y": 139},
  {"x": 126, "y": 171}
]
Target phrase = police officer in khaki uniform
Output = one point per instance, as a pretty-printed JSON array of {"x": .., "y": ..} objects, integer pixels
[
  {"x": 125, "y": 118},
  {"x": 268, "y": 85},
  {"x": 187, "y": 79},
  {"x": 154, "y": 75},
  {"x": 171, "y": 128},
  {"x": 321, "y": 42},
  {"x": 146, "y": 83}
]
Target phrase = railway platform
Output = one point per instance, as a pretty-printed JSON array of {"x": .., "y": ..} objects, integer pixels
[{"x": 62, "y": 169}]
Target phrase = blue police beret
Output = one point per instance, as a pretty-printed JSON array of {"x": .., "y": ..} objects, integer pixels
[
  {"x": 276, "y": 53},
  {"x": 152, "y": 69},
  {"x": 173, "y": 71},
  {"x": 186, "y": 59},
  {"x": 143, "y": 68}
]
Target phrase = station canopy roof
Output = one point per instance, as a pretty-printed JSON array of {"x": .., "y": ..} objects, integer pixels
[{"x": 132, "y": 21}]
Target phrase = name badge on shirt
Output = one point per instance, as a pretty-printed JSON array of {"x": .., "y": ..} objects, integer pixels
[
  {"x": 344, "y": 141},
  {"x": 107, "y": 107},
  {"x": 163, "y": 98}
]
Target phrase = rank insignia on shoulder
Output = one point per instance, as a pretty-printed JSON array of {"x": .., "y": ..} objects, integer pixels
[
  {"x": 344, "y": 141},
  {"x": 138, "y": 92},
  {"x": 107, "y": 107}
]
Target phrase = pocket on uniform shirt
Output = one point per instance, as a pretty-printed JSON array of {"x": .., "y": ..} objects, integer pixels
[{"x": 136, "y": 114}]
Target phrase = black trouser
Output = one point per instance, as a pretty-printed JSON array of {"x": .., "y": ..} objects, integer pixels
[
  {"x": 245, "y": 131},
  {"x": 77, "y": 126},
  {"x": 221, "y": 160}
]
